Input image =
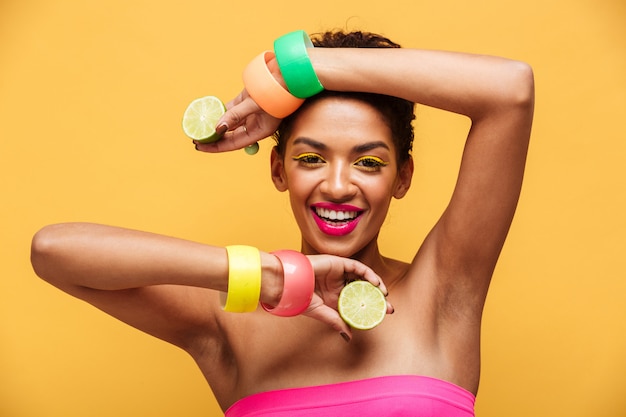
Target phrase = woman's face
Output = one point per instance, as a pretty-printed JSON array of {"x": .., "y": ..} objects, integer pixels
[{"x": 341, "y": 172}]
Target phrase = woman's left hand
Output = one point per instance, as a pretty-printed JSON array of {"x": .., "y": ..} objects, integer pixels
[
  {"x": 331, "y": 275},
  {"x": 243, "y": 124}
]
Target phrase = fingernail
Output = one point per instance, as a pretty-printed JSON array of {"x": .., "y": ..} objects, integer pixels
[
  {"x": 221, "y": 129},
  {"x": 345, "y": 336}
]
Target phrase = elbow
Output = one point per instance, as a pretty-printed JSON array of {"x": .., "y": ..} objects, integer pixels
[
  {"x": 512, "y": 94},
  {"x": 510, "y": 90},
  {"x": 44, "y": 250},
  {"x": 521, "y": 91}
]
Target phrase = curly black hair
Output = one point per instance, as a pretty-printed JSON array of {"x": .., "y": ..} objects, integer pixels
[{"x": 397, "y": 113}]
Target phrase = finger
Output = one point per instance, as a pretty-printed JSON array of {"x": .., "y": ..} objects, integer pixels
[
  {"x": 366, "y": 273},
  {"x": 237, "y": 138},
  {"x": 329, "y": 316},
  {"x": 236, "y": 115},
  {"x": 390, "y": 308},
  {"x": 230, "y": 141},
  {"x": 240, "y": 97}
]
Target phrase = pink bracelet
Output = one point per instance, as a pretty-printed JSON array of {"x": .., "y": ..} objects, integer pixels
[
  {"x": 265, "y": 90},
  {"x": 298, "y": 287}
]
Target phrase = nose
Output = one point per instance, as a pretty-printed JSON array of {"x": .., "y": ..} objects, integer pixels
[{"x": 338, "y": 184}]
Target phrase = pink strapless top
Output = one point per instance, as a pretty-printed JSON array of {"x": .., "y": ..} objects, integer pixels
[{"x": 398, "y": 396}]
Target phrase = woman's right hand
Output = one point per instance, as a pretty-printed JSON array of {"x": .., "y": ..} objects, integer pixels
[
  {"x": 243, "y": 124},
  {"x": 331, "y": 275}
]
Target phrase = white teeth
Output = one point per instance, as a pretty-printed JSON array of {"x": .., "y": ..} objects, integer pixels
[{"x": 335, "y": 215}]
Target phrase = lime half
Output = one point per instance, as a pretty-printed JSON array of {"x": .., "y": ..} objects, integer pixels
[
  {"x": 362, "y": 305},
  {"x": 201, "y": 117}
]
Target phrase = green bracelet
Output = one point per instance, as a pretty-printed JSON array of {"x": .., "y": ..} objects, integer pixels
[{"x": 295, "y": 65}]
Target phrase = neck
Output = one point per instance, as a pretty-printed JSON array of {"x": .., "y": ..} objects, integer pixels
[{"x": 388, "y": 269}]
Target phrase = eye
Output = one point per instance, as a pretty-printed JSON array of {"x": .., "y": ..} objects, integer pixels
[
  {"x": 370, "y": 163},
  {"x": 309, "y": 159}
]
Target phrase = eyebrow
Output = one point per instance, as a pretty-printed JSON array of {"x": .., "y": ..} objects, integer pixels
[
  {"x": 358, "y": 149},
  {"x": 371, "y": 145},
  {"x": 308, "y": 141}
]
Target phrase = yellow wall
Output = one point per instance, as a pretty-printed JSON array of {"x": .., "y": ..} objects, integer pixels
[{"x": 91, "y": 97}]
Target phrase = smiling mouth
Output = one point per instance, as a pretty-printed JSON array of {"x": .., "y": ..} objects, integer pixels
[
  {"x": 336, "y": 219},
  {"x": 335, "y": 216}
]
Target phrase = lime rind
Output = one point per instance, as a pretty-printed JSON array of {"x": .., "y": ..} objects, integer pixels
[
  {"x": 362, "y": 305},
  {"x": 201, "y": 117}
]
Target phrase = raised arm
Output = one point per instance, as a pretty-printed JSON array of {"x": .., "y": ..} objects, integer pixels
[{"x": 498, "y": 96}]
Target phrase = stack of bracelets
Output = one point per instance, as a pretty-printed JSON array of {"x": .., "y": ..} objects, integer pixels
[
  {"x": 291, "y": 60},
  {"x": 244, "y": 281}
]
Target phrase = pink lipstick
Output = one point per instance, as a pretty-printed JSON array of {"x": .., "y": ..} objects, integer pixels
[{"x": 336, "y": 219}]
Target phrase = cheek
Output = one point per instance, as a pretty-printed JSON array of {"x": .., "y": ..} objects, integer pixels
[
  {"x": 380, "y": 203},
  {"x": 300, "y": 188},
  {"x": 377, "y": 188}
]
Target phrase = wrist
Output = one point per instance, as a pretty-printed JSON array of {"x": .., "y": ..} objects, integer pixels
[
  {"x": 298, "y": 284},
  {"x": 272, "y": 279},
  {"x": 291, "y": 51},
  {"x": 266, "y": 90}
]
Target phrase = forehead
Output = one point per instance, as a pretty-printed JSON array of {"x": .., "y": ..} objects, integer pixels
[{"x": 337, "y": 121}]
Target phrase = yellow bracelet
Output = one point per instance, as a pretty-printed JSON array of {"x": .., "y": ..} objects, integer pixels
[{"x": 244, "y": 279}]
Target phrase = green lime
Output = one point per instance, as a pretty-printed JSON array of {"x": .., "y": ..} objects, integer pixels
[
  {"x": 362, "y": 305},
  {"x": 200, "y": 118}
]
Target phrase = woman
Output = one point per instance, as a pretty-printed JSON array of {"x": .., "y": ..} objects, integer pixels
[{"x": 342, "y": 156}]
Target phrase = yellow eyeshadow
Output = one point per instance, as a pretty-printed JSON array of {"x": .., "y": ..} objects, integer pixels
[
  {"x": 373, "y": 159},
  {"x": 306, "y": 155}
]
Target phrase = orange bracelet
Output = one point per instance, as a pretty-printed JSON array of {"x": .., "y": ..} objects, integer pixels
[{"x": 265, "y": 90}]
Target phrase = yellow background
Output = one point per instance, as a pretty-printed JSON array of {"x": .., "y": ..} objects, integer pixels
[{"x": 91, "y": 98}]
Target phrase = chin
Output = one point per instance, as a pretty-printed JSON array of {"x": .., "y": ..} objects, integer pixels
[{"x": 332, "y": 248}]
